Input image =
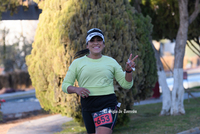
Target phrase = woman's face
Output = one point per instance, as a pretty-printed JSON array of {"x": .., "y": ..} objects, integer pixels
[{"x": 96, "y": 45}]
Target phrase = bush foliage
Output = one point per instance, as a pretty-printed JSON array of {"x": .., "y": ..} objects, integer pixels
[
  {"x": 15, "y": 80},
  {"x": 1, "y": 115},
  {"x": 61, "y": 33}
]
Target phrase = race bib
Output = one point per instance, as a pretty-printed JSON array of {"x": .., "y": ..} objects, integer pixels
[{"x": 102, "y": 117}]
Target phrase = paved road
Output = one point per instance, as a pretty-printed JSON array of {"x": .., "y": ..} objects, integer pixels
[
  {"x": 25, "y": 105},
  {"x": 150, "y": 101},
  {"x": 46, "y": 125},
  {"x": 191, "y": 81}
]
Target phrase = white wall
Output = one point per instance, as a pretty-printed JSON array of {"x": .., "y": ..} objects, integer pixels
[
  {"x": 17, "y": 27},
  {"x": 169, "y": 47}
]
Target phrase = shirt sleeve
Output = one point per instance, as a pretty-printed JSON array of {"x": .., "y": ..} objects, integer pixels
[
  {"x": 120, "y": 77},
  {"x": 70, "y": 77}
]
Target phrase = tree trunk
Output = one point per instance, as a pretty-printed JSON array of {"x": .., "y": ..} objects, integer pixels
[
  {"x": 166, "y": 100},
  {"x": 4, "y": 44},
  {"x": 181, "y": 38},
  {"x": 173, "y": 103},
  {"x": 136, "y": 4}
]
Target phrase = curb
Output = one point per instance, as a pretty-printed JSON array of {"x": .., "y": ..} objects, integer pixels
[
  {"x": 195, "y": 130},
  {"x": 15, "y": 116},
  {"x": 17, "y": 95}
]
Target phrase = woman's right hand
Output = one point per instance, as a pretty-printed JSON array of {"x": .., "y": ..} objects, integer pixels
[{"x": 83, "y": 92}]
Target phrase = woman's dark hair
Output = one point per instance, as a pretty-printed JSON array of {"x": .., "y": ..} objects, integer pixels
[
  {"x": 90, "y": 33},
  {"x": 81, "y": 53}
]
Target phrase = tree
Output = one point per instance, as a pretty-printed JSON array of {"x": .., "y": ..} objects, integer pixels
[
  {"x": 3, "y": 41},
  {"x": 10, "y": 5},
  {"x": 172, "y": 21},
  {"x": 194, "y": 32},
  {"x": 181, "y": 40},
  {"x": 13, "y": 57},
  {"x": 191, "y": 44},
  {"x": 152, "y": 10},
  {"x": 61, "y": 33}
]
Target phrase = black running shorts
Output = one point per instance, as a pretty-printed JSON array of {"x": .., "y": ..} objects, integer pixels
[{"x": 106, "y": 117}]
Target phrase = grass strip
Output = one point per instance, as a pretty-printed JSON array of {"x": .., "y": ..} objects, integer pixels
[{"x": 148, "y": 121}]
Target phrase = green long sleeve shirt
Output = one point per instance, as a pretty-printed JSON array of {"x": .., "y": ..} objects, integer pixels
[{"x": 96, "y": 75}]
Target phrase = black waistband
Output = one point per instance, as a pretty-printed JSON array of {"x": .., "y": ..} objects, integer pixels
[{"x": 97, "y": 103}]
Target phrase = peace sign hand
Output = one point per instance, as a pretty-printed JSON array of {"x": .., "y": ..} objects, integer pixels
[{"x": 130, "y": 64}]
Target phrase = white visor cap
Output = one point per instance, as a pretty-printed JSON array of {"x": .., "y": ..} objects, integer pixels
[{"x": 94, "y": 32}]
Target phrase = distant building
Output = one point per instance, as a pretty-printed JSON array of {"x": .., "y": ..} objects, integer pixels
[
  {"x": 166, "y": 50},
  {"x": 24, "y": 23}
]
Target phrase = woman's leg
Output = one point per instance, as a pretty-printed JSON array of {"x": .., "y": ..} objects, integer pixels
[
  {"x": 88, "y": 121},
  {"x": 103, "y": 130}
]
